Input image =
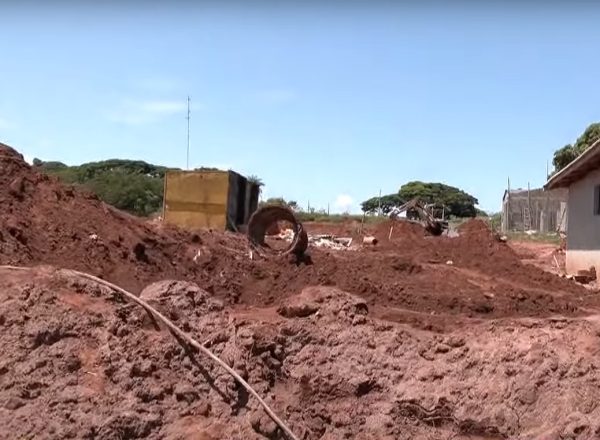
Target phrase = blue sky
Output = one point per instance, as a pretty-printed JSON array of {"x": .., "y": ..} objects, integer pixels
[{"x": 327, "y": 104}]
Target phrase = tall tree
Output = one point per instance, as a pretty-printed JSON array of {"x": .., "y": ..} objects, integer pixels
[
  {"x": 567, "y": 154},
  {"x": 387, "y": 202},
  {"x": 458, "y": 202}
]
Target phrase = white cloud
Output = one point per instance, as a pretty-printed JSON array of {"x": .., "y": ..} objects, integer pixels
[
  {"x": 344, "y": 202},
  {"x": 28, "y": 158},
  {"x": 131, "y": 112}
]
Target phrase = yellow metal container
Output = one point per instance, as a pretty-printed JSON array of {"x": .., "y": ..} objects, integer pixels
[{"x": 208, "y": 199}]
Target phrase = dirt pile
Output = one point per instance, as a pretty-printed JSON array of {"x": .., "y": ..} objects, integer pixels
[
  {"x": 418, "y": 337},
  {"x": 44, "y": 221},
  {"x": 82, "y": 364},
  {"x": 473, "y": 274}
]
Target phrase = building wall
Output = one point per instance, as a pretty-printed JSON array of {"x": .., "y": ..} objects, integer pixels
[
  {"x": 583, "y": 239},
  {"x": 208, "y": 199},
  {"x": 197, "y": 199},
  {"x": 546, "y": 210}
]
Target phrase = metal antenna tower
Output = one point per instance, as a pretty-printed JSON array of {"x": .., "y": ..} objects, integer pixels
[{"x": 187, "y": 161}]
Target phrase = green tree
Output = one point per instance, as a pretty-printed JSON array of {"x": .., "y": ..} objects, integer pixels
[
  {"x": 458, "y": 202},
  {"x": 567, "y": 154},
  {"x": 47, "y": 166},
  {"x": 133, "y": 186},
  {"x": 256, "y": 180},
  {"x": 276, "y": 201},
  {"x": 563, "y": 157},
  {"x": 389, "y": 201},
  {"x": 137, "y": 193},
  {"x": 293, "y": 205}
]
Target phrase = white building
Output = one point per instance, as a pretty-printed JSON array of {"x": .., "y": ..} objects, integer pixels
[{"x": 582, "y": 179}]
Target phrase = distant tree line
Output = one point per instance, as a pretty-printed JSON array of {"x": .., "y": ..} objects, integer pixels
[
  {"x": 131, "y": 185},
  {"x": 137, "y": 187},
  {"x": 457, "y": 202},
  {"x": 134, "y": 186}
]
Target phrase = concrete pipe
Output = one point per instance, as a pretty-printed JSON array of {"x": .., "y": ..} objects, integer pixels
[{"x": 266, "y": 217}]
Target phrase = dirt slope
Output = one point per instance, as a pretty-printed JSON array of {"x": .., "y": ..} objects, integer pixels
[
  {"x": 81, "y": 364},
  {"x": 417, "y": 338},
  {"x": 45, "y": 222}
]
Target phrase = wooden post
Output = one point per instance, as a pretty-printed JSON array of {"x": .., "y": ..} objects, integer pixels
[{"x": 362, "y": 223}]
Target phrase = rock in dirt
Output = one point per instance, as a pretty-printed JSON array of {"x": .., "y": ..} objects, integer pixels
[
  {"x": 186, "y": 393},
  {"x": 128, "y": 425},
  {"x": 13, "y": 403},
  {"x": 298, "y": 310},
  {"x": 167, "y": 288},
  {"x": 263, "y": 424},
  {"x": 180, "y": 294}
]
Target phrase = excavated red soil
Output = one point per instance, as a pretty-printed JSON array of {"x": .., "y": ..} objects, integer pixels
[
  {"x": 80, "y": 363},
  {"x": 45, "y": 222},
  {"x": 418, "y": 337}
]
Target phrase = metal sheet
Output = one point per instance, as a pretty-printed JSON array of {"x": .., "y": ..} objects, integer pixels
[{"x": 196, "y": 199}]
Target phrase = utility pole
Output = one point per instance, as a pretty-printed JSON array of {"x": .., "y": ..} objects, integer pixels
[
  {"x": 187, "y": 159},
  {"x": 379, "y": 205}
]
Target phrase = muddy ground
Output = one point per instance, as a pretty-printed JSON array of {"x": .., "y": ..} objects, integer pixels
[{"x": 418, "y": 337}]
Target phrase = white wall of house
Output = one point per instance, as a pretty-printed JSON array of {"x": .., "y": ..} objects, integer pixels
[{"x": 583, "y": 214}]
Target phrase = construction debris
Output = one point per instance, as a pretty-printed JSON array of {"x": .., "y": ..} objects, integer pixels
[
  {"x": 330, "y": 241},
  {"x": 585, "y": 276},
  {"x": 320, "y": 240},
  {"x": 370, "y": 240}
]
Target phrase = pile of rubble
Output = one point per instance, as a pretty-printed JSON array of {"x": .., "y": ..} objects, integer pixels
[{"x": 327, "y": 241}]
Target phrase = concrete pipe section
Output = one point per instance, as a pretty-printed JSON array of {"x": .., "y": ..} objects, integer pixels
[{"x": 266, "y": 217}]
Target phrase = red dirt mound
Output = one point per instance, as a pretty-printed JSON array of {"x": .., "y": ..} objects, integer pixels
[
  {"x": 79, "y": 363},
  {"x": 45, "y": 222},
  {"x": 400, "y": 233}
]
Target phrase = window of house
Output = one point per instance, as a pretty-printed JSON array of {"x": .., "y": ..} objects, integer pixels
[{"x": 597, "y": 200}]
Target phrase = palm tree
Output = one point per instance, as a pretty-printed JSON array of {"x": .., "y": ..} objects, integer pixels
[{"x": 256, "y": 180}]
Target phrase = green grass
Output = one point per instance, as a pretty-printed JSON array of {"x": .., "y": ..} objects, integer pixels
[
  {"x": 337, "y": 218},
  {"x": 549, "y": 238}
]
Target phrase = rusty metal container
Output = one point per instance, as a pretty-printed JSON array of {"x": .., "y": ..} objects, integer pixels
[{"x": 222, "y": 200}]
